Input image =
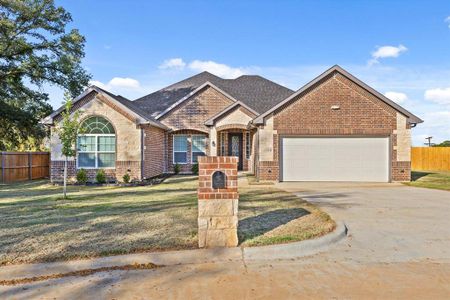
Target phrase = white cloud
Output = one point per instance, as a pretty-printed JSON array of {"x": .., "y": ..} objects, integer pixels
[
  {"x": 447, "y": 20},
  {"x": 118, "y": 83},
  {"x": 386, "y": 51},
  {"x": 397, "y": 97},
  {"x": 127, "y": 83},
  {"x": 218, "y": 69},
  {"x": 439, "y": 96},
  {"x": 173, "y": 63}
]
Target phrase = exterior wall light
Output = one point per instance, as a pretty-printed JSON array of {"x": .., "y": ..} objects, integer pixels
[{"x": 335, "y": 107}]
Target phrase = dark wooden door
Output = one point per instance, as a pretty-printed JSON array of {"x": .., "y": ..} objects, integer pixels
[{"x": 235, "y": 147}]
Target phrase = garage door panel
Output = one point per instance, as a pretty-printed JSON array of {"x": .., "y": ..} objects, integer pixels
[{"x": 335, "y": 159}]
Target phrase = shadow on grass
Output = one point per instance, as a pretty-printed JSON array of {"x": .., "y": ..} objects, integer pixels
[
  {"x": 258, "y": 225},
  {"x": 416, "y": 175}
]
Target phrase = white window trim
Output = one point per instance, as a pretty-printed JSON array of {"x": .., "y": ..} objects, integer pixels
[
  {"x": 173, "y": 149},
  {"x": 96, "y": 152},
  {"x": 192, "y": 151}
]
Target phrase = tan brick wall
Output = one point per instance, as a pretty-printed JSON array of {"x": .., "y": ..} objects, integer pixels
[
  {"x": 360, "y": 113},
  {"x": 237, "y": 116},
  {"x": 128, "y": 138},
  {"x": 193, "y": 112}
]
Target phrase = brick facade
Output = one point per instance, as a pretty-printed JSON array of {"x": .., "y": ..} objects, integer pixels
[
  {"x": 145, "y": 151},
  {"x": 193, "y": 112},
  {"x": 154, "y": 152},
  {"x": 187, "y": 167},
  {"x": 360, "y": 113}
]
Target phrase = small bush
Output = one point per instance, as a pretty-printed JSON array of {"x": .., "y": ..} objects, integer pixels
[
  {"x": 176, "y": 168},
  {"x": 82, "y": 177},
  {"x": 100, "y": 177},
  {"x": 126, "y": 178},
  {"x": 194, "y": 169}
]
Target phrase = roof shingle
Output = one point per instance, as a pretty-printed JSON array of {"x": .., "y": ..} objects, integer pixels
[{"x": 258, "y": 93}]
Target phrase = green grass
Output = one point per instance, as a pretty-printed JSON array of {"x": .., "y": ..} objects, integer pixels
[
  {"x": 37, "y": 225},
  {"x": 430, "y": 179}
]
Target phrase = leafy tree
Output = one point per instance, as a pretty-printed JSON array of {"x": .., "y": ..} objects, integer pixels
[
  {"x": 35, "y": 49},
  {"x": 68, "y": 130},
  {"x": 443, "y": 144}
]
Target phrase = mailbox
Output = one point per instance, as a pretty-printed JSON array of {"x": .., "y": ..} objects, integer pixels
[{"x": 219, "y": 180}]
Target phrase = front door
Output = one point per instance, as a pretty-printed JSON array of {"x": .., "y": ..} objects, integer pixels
[{"x": 235, "y": 147}]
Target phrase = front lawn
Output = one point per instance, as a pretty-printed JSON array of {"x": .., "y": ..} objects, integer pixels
[
  {"x": 36, "y": 225},
  {"x": 431, "y": 179}
]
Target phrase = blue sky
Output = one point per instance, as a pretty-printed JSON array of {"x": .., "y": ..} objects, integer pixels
[{"x": 401, "y": 48}]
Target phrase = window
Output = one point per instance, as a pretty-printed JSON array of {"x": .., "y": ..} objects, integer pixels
[
  {"x": 248, "y": 145},
  {"x": 198, "y": 147},
  {"x": 96, "y": 148},
  {"x": 180, "y": 149},
  {"x": 222, "y": 143}
]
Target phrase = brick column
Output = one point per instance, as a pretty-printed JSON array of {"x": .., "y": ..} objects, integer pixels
[{"x": 217, "y": 208}]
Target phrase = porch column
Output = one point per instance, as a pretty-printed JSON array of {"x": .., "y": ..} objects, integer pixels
[{"x": 212, "y": 141}]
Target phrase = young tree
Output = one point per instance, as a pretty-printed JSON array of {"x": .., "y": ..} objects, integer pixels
[
  {"x": 68, "y": 130},
  {"x": 35, "y": 49}
]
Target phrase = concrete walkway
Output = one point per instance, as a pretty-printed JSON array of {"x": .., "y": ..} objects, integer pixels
[{"x": 399, "y": 247}]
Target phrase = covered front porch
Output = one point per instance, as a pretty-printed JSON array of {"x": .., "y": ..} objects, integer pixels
[{"x": 235, "y": 140}]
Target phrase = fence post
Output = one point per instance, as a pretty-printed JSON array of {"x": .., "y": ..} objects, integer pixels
[
  {"x": 3, "y": 167},
  {"x": 30, "y": 166}
]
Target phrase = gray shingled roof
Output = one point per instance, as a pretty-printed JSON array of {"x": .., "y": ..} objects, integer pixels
[{"x": 256, "y": 92}]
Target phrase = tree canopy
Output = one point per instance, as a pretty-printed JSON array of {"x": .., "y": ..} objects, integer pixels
[
  {"x": 36, "y": 48},
  {"x": 443, "y": 144}
]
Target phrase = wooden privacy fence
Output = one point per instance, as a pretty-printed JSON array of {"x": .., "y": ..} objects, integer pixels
[
  {"x": 18, "y": 166},
  {"x": 430, "y": 158}
]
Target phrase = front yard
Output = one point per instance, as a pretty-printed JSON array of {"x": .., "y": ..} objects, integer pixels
[
  {"x": 36, "y": 225},
  {"x": 431, "y": 179}
]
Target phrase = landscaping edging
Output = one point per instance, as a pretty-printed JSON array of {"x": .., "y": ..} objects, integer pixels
[{"x": 181, "y": 257}]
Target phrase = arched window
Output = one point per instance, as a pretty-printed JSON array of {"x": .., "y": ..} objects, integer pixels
[{"x": 97, "y": 145}]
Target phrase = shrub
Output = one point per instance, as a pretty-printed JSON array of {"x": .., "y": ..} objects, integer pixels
[
  {"x": 194, "y": 169},
  {"x": 126, "y": 178},
  {"x": 82, "y": 177},
  {"x": 100, "y": 176},
  {"x": 176, "y": 168}
]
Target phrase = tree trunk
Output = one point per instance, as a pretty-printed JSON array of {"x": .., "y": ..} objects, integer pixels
[{"x": 65, "y": 178}]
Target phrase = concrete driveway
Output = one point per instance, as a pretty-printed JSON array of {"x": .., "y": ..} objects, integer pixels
[
  {"x": 398, "y": 248},
  {"x": 387, "y": 222}
]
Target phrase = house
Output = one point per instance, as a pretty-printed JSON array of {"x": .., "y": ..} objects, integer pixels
[{"x": 335, "y": 128}]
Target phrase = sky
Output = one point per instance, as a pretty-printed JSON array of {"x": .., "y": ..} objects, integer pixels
[{"x": 400, "y": 48}]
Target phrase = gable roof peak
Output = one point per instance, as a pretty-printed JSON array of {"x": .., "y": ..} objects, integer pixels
[{"x": 413, "y": 119}]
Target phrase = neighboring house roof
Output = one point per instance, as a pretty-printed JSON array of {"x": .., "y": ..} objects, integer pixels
[
  {"x": 413, "y": 119},
  {"x": 122, "y": 102},
  {"x": 254, "y": 91}
]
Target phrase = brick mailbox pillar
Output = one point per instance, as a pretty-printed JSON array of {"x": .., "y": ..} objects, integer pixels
[{"x": 217, "y": 201}]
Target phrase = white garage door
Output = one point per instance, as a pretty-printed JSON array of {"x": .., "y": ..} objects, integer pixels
[{"x": 335, "y": 159}]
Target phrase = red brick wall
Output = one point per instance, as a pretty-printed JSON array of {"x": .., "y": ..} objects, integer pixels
[
  {"x": 207, "y": 166},
  {"x": 185, "y": 168},
  {"x": 193, "y": 112},
  {"x": 154, "y": 151},
  {"x": 360, "y": 113}
]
